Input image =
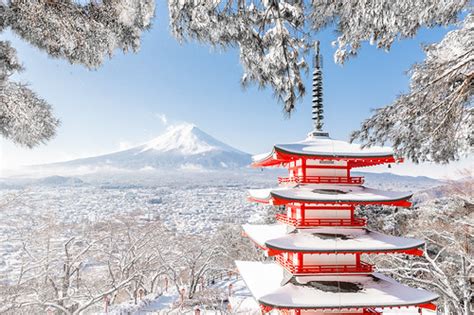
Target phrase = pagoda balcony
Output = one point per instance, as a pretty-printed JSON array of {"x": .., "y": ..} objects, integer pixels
[
  {"x": 312, "y": 222},
  {"x": 353, "y": 180},
  {"x": 362, "y": 267},
  {"x": 371, "y": 312}
]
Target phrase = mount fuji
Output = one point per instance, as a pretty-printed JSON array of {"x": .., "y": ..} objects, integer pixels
[{"x": 183, "y": 146}]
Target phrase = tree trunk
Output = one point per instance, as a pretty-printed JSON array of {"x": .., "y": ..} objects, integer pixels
[{"x": 467, "y": 306}]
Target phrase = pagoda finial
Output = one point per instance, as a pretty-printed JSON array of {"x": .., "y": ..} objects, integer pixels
[{"x": 317, "y": 107}]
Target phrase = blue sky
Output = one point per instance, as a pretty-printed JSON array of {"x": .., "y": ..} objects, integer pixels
[{"x": 124, "y": 102}]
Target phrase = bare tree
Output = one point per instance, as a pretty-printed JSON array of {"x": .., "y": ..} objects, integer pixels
[
  {"x": 188, "y": 260},
  {"x": 133, "y": 249},
  {"x": 75, "y": 268}
]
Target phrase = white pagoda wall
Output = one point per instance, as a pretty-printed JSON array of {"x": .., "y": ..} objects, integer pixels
[
  {"x": 339, "y": 172},
  {"x": 318, "y": 214},
  {"x": 327, "y": 214},
  {"x": 326, "y": 171},
  {"x": 323, "y": 259},
  {"x": 326, "y": 163},
  {"x": 329, "y": 259},
  {"x": 306, "y": 312}
]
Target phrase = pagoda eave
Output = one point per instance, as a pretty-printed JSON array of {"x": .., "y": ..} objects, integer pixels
[
  {"x": 282, "y": 200},
  {"x": 272, "y": 289},
  {"x": 275, "y": 201},
  {"x": 329, "y": 194},
  {"x": 413, "y": 251},
  {"x": 275, "y": 239},
  {"x": 268, "y": 307},
  {"x": 281, "y": 156}
]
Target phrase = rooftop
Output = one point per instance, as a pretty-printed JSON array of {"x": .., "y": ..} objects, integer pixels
[
  {"x": 323, "y": 147},
  {"x": 270, "y": 286},
  {"x": 281, "y": 238},
  {"x": 331, "y": 193}
]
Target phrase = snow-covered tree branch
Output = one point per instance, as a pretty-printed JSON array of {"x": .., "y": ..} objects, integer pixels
[
  {"x": 380, "y": 22},
  {"x": 434, "y": 120},
  {"x": 269, "y": 35},
  {"x": 82, "y": 33},
  {"x": 431, "y": 122}
]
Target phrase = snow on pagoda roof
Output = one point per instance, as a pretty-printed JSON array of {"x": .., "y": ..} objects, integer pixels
[
  {"x": 280, "y": 237},
  {"x": 321, "y": 147},
  {"x": 327, "y": 193},
  {"x": 266, "y": 281}
]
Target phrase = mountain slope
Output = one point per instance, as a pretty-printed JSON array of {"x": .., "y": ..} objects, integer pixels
[{"x": 180, "y": 147}]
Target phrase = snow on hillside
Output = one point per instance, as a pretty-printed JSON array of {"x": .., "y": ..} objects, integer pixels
[
  {"x": 184, "y": 147},
  {"x": 186, "y": 139}
]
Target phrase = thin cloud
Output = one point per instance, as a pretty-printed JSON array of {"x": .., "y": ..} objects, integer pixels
[
  {"x": 162, "y": 118},
  {"x": 123, "y": 145}
]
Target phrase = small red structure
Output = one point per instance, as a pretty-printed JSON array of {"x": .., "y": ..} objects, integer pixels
[{"x": 319, "y": 244}]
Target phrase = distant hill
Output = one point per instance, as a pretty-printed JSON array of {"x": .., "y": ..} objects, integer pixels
[
  {"x": 59, "y": 181},
  {"x": 397, "y": 182},
  {"x": 183, "y": 147},
  {"x": 186, "y": 147}
]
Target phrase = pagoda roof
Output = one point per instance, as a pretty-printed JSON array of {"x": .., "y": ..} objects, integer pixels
[
  {"x": 272, "y": 287},
  {"x": 278, "y": 238},
  {"x": 321, "y": 193},
  {"x": 323, "y": 147}
]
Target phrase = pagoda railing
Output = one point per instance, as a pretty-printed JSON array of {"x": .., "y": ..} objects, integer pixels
[
  {"x": 355, "y": 180},
  {"x": 288, "y": 265},
  {"x": 371, "y": 312},
  {"x": 320, "y": 222}
]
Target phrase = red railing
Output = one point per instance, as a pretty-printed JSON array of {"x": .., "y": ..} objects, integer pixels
[
  {"x": 321, "y": 222},
  {"x": 369, "y": 311},
  {"x": 288, "y": 265},
  {"x": 356, "y": 180}
]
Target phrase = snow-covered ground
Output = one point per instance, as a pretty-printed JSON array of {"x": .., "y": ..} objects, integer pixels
[{"x": 187, "y": 202}]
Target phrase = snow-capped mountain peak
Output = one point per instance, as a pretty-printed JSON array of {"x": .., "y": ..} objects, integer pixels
[
  {"x": 184, "y": 146},
  {"x": 186, "y": 139}
]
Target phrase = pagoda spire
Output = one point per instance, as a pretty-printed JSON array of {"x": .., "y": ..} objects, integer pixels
[{"x": 317, "y": 101}]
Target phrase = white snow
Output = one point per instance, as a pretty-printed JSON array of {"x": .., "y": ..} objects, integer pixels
[
  {"x": 261, "y": 233},
  {"x": 180, "y": 138},
  {"x": 332, "y": 193},
  {"x": 277, "y": 236},
  {"x": 264, "y": 280},
  {"x": 186, "y": 139},
  {"x": 179, "y": 146},
  {"x": 326, "y": 146},
  {"x": 261, "y": 156},
  {"x": 188, "y": 203}
]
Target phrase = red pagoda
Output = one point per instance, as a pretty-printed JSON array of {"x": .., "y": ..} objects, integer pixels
[{"x": 319, "y": 244}]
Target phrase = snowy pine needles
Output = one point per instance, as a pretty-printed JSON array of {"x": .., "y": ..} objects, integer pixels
[
  {"x": 82, "y": 33},
  {"x": 380, "y": 22},
  {"x": 268, "y": 34},
  {"x": 434, "y": 120}
]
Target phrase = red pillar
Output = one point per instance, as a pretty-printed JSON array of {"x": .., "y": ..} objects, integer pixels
[
  {"x": 300, "y": 261},
  {"x": 303, "y": 213},
  {"x": 303, "y": 167}
]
